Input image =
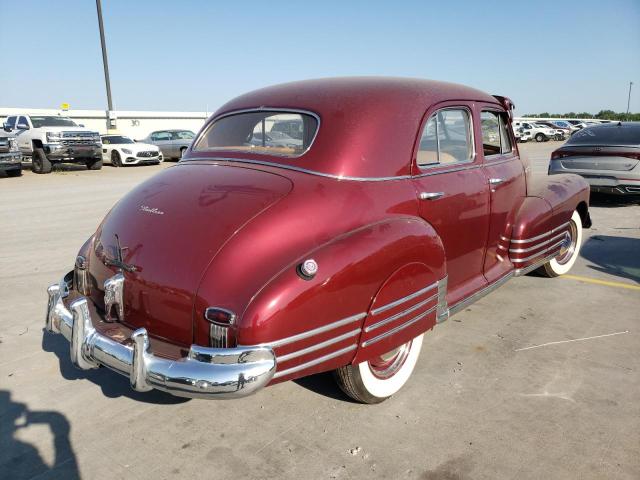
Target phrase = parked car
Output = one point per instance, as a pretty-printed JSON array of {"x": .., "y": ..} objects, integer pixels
[
  {"x": 539, "y": 132},
  {"x": 579, "y": 124},
  {"x": 172, "y": 143},
  {"x": 562, "y": 133},
  {"x": 246, "y": 265},
  {"x": 607, "y": 156},
  {"x": 50, "y": 139},
  {"x": 566, "y": 125},
  {"x": 10, "y": 157},
  {"x": 119, "y": 151}
]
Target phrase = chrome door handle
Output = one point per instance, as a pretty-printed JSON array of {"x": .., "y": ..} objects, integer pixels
[
  {"x": 496, "y": 181},
  {"x": 431, "y": 195}
]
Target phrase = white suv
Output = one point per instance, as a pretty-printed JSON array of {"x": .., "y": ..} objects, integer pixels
[
  {"x": 538, "y": 132},
  {"x": 50, "y": 139}
]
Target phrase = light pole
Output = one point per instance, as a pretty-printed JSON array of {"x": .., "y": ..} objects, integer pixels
[
  {"x": 629, "y": 99},
  {"x": 111, "y": 120}
]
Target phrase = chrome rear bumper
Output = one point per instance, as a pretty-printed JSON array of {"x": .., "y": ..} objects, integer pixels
[{"x": 203, "y": 373}]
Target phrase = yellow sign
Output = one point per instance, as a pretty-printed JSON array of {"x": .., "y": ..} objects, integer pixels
[{"x": 64, "y": 106}]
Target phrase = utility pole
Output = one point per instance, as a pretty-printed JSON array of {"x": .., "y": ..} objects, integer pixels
[
  {"x": 629, "y": 99},
  {"x": 111, "y": 119}
]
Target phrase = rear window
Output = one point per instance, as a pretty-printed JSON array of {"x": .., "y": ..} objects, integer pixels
[
  {"x": 607, "y": 135},
  {"x": 287, "y": 134}
]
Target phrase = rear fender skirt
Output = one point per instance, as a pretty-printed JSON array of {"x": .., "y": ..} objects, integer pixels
[
  {"x": 315, "y": 324},
  {"x": 409, "y": 303}
]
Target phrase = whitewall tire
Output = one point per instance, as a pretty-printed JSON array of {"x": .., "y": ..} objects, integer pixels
[
  {"x": 568, "y": 254},
  {"x": 376, "y": 380}
]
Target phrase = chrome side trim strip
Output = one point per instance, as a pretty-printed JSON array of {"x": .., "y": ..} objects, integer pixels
[
  {"x": 536, "y": 255},
  {"x": 409, "y": 310},
  {"x": 442, "y": 310},
  {"x": 296, "y": 169},
  {"x": 315, "y": 331},
  {"x": 398, "y": 328},
  {"x": 523, "y": 271},
  {"x": 402, "y": 300},
  {"x": 536, "y": 246},
  {"x": 318, "y": 346},
  {"x": 527, "y": 240},
  {"x": 465, "y": 302},
  {"x": 316, "y": 361}
]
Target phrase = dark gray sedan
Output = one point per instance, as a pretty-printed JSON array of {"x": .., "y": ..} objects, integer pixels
[
  {"x": 607, "y": 156},
  {"x": 172, "y": 143}
]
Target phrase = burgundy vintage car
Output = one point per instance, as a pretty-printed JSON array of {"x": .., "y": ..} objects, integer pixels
[{"x": 316, "y": 226}]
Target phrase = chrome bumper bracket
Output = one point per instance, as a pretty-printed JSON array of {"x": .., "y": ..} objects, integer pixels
[{"x": 204, "y": 373}]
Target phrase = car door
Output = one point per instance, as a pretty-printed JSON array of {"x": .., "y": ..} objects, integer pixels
[
  {"x": 505, "y": 175},
  {"x": 163, "y": 141},
  {"x": 22, "y": 136},
  {"x": 454, "y": 194}
]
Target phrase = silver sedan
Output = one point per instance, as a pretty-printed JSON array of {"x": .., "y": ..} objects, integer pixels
[{"x": 172, "y": 143}]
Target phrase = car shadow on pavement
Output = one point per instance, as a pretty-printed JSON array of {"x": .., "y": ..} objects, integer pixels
[
  {"x": 619, "y": 256},
  {"x": 112, "y": 384},
  {"x": 21, "y": 460},
  {"x": 324, "y": 384}
]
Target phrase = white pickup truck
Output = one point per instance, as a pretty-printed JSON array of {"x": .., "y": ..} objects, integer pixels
[{"x": 50, "y": 139}]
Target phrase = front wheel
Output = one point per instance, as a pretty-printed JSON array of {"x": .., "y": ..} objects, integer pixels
[
  {"x": 376, "y": 380},
  {"x": 39, "y": 162},
  {"x": 116, "y": 161},
  {"x": 540, "y": 137},
  {"x": 182, "y": 150},
  {"x": 94, "y": 164},
  {"x": 569, "y": 251}
]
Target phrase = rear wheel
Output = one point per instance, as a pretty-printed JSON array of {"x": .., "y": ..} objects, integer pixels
[
  {"x": 116, "y": 161},
  {"x": 568, "y": 253},
  {"x": 376, "y": 380},
  {"x": 39, "y": 161},
  {"x": 14, "y": 173}
]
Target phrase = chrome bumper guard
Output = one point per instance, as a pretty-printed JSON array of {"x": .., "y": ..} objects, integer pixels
[{"x": 204, "y": 373}]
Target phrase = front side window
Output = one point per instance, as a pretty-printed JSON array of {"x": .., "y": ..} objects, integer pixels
[
  {"x": 160, "y": 136},
  {"x": 116, "y": 140},
  {"x": 446, "y": 138},
  {"x": 265, "y": 132},
  {"x": 11, "y": 122},
  {"x": 495, "y": 133}
]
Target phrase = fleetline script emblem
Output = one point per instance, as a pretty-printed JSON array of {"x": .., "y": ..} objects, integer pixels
[{"x": 114, "y": 286}]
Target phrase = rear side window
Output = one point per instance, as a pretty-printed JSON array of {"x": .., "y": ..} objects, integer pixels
[
  {"x": 612, "y": 134},
  {"x": 286, "y": 134},
  {"x": 495, "y": 133},
  {"x": 446, "y": 138}
]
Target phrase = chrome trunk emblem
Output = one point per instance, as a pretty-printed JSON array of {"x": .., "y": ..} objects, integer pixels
[{"x": 114, "y": 297}]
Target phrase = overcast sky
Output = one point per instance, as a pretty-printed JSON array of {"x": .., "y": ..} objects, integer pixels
[{"x": 194, "y": 55}]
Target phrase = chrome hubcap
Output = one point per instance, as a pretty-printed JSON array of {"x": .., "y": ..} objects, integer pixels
[
  {"x": 568, "y": 247},
  {"x": 388, "y": 364}
]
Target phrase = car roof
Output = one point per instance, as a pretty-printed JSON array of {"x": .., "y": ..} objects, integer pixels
[{"x": 386, "y": 113}]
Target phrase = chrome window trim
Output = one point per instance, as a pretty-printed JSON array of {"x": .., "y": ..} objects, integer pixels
[
  {"x": 315, "y": 331},
  {"x": 472, "y": 139},
  {"x": 402, "y": 300},
  {"x": 413, "y": 308},
  {"x": 449, "y": 170},
  {"x": 294, "y": 168},
  {"x": 318, "y": 346},
  {"x": 537, "y": 245},
  {"x": 494, "y": 155},
  {"x": 258, "y": 110},
  {"x": 316, "y": 361},
  {"x": 402, "y": 326},
  {"x": 542, "y": 235}
]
